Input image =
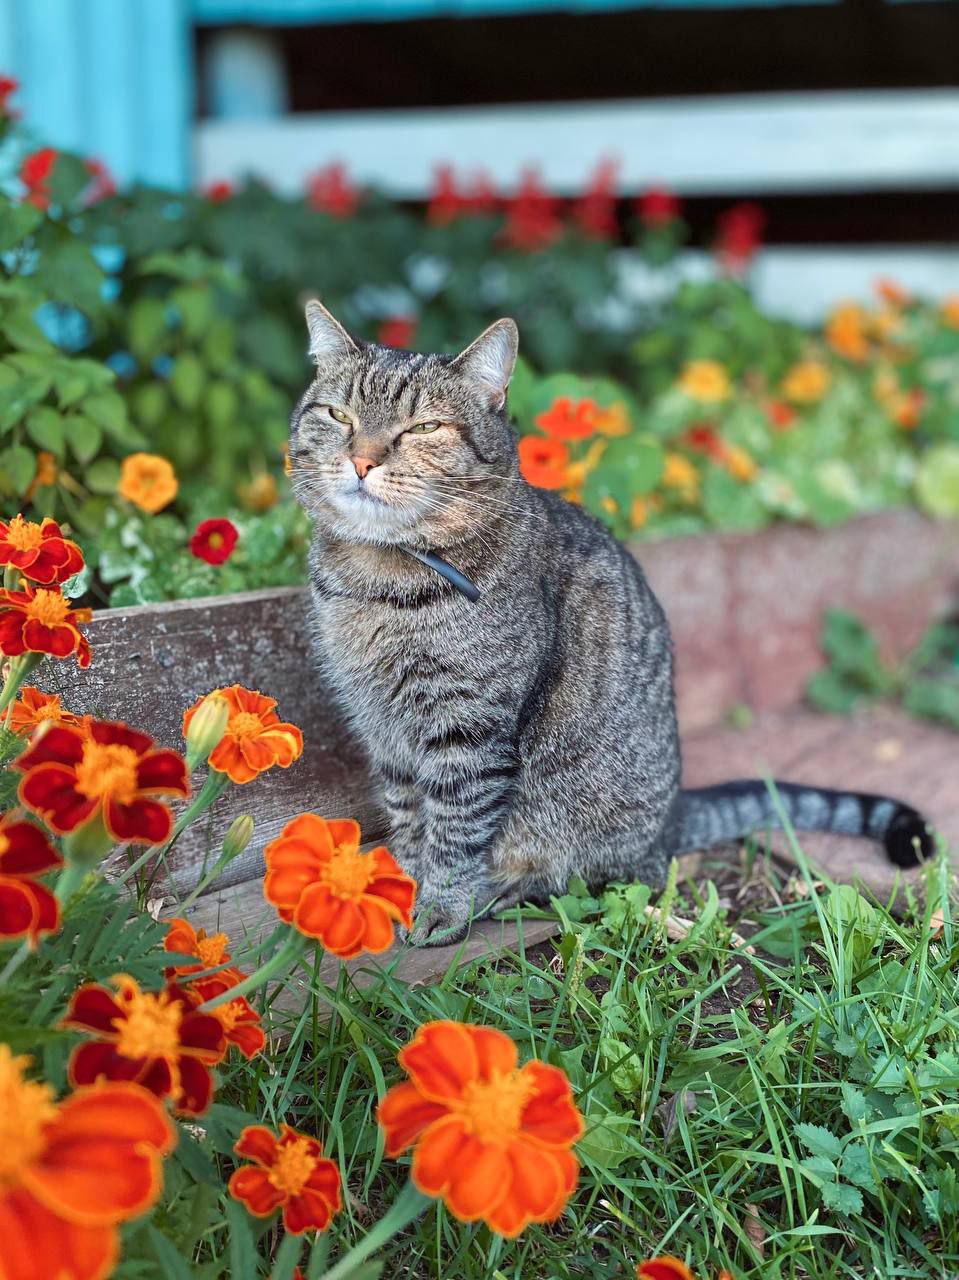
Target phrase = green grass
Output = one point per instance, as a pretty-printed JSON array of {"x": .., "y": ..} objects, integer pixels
[{"x": 806, "y": 1096}]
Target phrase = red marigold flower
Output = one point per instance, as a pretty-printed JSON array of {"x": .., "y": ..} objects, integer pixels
[
  {"x": 39, "y": 551},
  {"x": 543, "y": 462},
  {"x": 71, "y": 1172},
  {"x": 42, "y": 620},
  {"x": 595, "y": 210},
  {"x": 739, "y": 235},
  {"x": 532, "y": 216},
  {"x": 397, "y": 331},
  {"x": 289, "y": 1172},
  {"x": 218, "y": 192},
  {"x": 34, "y": 708},
  {"x": 330, "y": 191},
  {"x": 182, "y": 939},
  {"x": 35, "y": 175},
  {"x": 320, "y": 883},
  {"x": 491, "y": 1138},
  {"x": 239, "y": 1020},
  {"x": 73, "y": 774},
  {"x": 214, "y": 540},
  {"x": 255, "y": 738},
  {"x": 566, "y": 420},
  {"x": 658, "y": 207},
  {"x": 446, "y": 202},
  {"x": 8, "y": 87},
  {"x": 27, "y": 908},
  {"x": 664, "y": 1268},
  {"x": 706, "y": 440},
  {"x": 156, "y": 1039}
]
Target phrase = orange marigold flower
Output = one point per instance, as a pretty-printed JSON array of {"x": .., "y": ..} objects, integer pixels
[
  {"x": 148, "y": 481},
  {"x": 846, "y": 332},
  {"x": 491, "y": 1138},
  {"x": 255, "y": 738},
  {"x": 806, "y": 382},
  {"x": 543, "y": 462},
  {"x": 950, "y": 310},
  {"x": 214, "y": 540},
  {"x": 261, "y": 493},
  {"x": 27, "y": 908},
  {"x": 906, "y": 409},
  {"x": 239, "y": 1020},
  {"x": 290, "y": 1172},
  {"x": 156, "y": 1039},
  {"x": 34, "y": 708},
  {"x": 566, "y": 420},
  {"x": 782, "y": 416},
  {"x": 664, "y": 1268},
  {"x": 182, "y": 939},
  {"x": 77, "y": 772},
  {"x": 71, "y": 1172},
  {"x": 42, "y": 620},
  {"x": 320, "y": 883},
  {"x": 46, "y": 473},
  {"x": 706, "y": 381},
  {"x": 39, "y": 551}
]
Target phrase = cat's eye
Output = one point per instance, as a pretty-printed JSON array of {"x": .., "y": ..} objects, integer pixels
[
  {"x": 339, "y": 415},
  {"x": 424, "y": 428}
]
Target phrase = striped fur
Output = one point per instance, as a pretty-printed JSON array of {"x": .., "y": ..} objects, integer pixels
[{"x": 531, "y": 736}]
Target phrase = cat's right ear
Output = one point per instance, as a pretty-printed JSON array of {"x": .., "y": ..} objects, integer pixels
[{"x": 328, "y": 339}]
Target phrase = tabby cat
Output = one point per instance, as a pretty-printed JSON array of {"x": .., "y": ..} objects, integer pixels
[{"x": 530, "y": 736}]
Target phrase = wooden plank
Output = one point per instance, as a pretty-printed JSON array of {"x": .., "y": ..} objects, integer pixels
[
  {"x": 152, "y": 662},
  {"x": 241, "y": 912}
]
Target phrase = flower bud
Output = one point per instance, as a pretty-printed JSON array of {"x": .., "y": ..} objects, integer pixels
[
  {"x": 206, "y": 728},
  {"x": 88, "y": 845},
  {"x": 238, "y": 836}
]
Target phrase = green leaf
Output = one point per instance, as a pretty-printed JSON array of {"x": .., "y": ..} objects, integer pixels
[
  {"x": 854, "y": 1103},
  {"x": 630, "y": 467},
  {"x": 17, "y": 221},
  {"x": 109, "y": 411},
  {"x": 242, "y": 1247},
  {"x": 45, "y": 428},
  {"x": 853, "y": 651},
  {"x": 819, "y": 1141},
  {"x": 69, "y": 273},
  {"x": 146, "y": 327},
  {"x": 150, "y": 403},
  {"x": 195, "y": 306},
  {"x": 102, "y": 476},
  {"x": 188, "y": 380},
  {"x": 174, "y": 1265},
  {"x": 19, "y": 466},
  {"x": 23, "y": 332},
  {"x": 84, "y": 436},
  {"x": 605, "y": 1145},
  {"x": 841, "y": 1198},
  {"x": 729, "y": 504},
  {"x": 937, "y": 481},
  {"x": 830, "y": 691}
]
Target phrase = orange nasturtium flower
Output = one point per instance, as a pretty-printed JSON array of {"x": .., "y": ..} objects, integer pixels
[
  {"x": 157, "y": 1039},
  {"x": 320, "y": 883},
  {"x": 949, "y": 310},
  {"x": 77, "y": 773},
  {"x": 240, "y": 1021},
  {"x": 806, "y": 382},
  {"x": 491, "y": 1138},
  {"x": 289, "y": 1172},
  {"x": 706, "y": 381},
  {"x": 71, "y": 1172},
  {"x": 255, "y": 737},
  {"x": 148, "y": 481},
  {"x": 739, "y": 463},
  {"x": 27, "y": 908},
  {"x": 543, "y": 462},
  {"x": 39, "y": 551},
  {"x": 34, "y": 708},
  {"x": 566, "y": 419},
  {"x": 846, "y": 332},
  {"x": 42, "y": 620}
]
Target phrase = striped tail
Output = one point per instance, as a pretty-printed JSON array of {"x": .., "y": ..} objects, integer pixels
[{"x": 708, "y": 816}]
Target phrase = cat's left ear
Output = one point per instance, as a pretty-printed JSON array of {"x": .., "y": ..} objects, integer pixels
[{"x": 488, "y": 362}]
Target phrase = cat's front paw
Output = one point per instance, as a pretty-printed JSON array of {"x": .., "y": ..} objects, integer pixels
[{"x": 444, "y": 918}]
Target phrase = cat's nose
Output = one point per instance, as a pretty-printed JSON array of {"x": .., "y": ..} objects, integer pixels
[{"x": 363, "y": 465}]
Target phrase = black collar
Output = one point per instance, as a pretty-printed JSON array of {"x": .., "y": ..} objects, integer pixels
[{"x": 452, "y": 576}]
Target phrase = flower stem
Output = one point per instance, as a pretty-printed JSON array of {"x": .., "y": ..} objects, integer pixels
[
  {"x": 408, "y": 1206},
  {"x": 20, "y": 668},
  {"x": 69, "y": 880},
  {"x": 280, "y": 962},
  {"x": 14, "y": 963},
  {"x": 209, "y": 793}
]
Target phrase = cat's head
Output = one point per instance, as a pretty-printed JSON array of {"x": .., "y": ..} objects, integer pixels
[{"x": 393, "y": 447}]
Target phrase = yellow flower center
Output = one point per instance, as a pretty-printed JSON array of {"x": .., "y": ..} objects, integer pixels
[
  {"x": 24, "y": 534},
  {"x": 26, "y": 1108},
  {"x": 48, "y": 607},
  {"x": 216, "y": 541},
  {"x": 492, "y": 1109},
  {"x": 108, "y": 771},
  {"x": 348, "y": 873},
  {"x": 211, "y": 951},
  {"x": 49, "y": 711},
  {"x": 245, "y": 725},
  {"x": 293, "y": 1166},
  {"x": 150, "y": 1026},
  {"x": 4, "y": 844}
]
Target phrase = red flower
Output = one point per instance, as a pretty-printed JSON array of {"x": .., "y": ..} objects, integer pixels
[
  {"x": 532, "y": 217},
  {"x": 330, "y": 191},
  {"x": 33, "y": 709},
  {"x": 27, "y": 908},
  {"x": 73, "y": 774},
  {"x": 781, "y": 415},
  {"x": 397, "y": 331},
  {"x": 663, "y": 1268},
  {"x": 218, "y": 192},
  {"x": 543, "y": 462},
  {"x": 657, "y": 207},
  {"x": 291, "y": 1172},
  {"x": 214, "y": 540},
  {"x": 8, "y": 87},
  {"x": 157, "y": 1040},
  {"x": 706, "y": 440},
  {"x": 42, "y": 620},
  {"x": 564, "y": 420},
  {"x": 39, "y": 551},
  {"x": 739, "y": 236},
  {"x": 182, "y": 939},
  {"x": 447, "y": 202},
  {"x": 239, "y": 1020},
  {"x": 35, "y": 175},
  {"x": 595, "y": 210},
  {"x": 102, "y": 185}
]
